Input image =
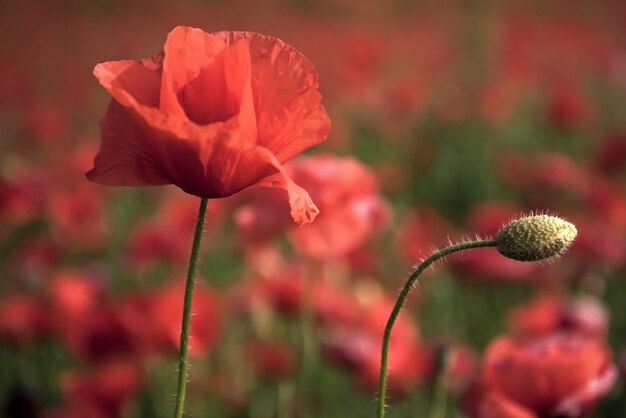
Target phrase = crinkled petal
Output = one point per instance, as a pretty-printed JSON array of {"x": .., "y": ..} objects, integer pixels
[
  {"x": 187, "y": 51},
  {"x": 290, "y": 115},
  {"x": 138, "y": 81},
  {"x": 222, "y": 90},
  {"x": 136, "y": 87},
  {"x": 135, "y": 133},
  {"x": 125, "y": 157}
]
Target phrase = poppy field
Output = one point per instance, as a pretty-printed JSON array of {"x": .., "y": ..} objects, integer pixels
[{"x": 307, "y": 189}]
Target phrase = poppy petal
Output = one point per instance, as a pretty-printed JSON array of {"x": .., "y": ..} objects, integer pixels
[
  {"x": 136, "y": 87},
  {"x": 220, "y": 166},
  {"x": 290, "y": 115},
  {"x": 124, "y": 158},
  {"x": 495, "y": 405},
  {"x": 217, "y": 165},
  {"x": 577, "y": 403},
  {"x": 135, "y": 79},
  {"x": 187, "y": 51},
  {"x": 223, "y": 90},
  {"x": 303, "y": 210}
]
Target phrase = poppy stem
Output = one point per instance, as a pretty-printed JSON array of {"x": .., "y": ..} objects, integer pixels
[
  {"x": 184, "y": 333},
  {"x": 382, "y": 382}
]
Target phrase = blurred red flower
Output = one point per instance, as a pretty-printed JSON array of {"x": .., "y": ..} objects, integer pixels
[
  {"x": 610, "y": 155},
  {"x": 486, "y": 265},
  {"x": 99, "y": 335},
  {"x": 487, "y": 218},
  {"x": 23, "y": 320},
  {"x": 45, "y": 122},
  {"x": 73, "y": 294},
  {"x": 352, "y": 209},
  {"x": 263, "y": 219},
  {"x": 213, "y": 114},
  {"x": 154, "y": 242},
  {"x": 271, "y": 359},
  {"x": 569, "y": 107},
  {"x": 420, "y": 232},
  {"x": 285, "y": 292},
  {"x": 77, "y": 217},
  {"x": 600, "y": 242},
  {"x": 561, "y": 374},
  {"x": 102, "y": 391},
  {"x": 32, "y": 261},
  {"x": 165, "y": 238},
  {"x": 454, "y": 361},
  {"x": 355, "y": 344},
  {"x": 548, "y": 314}
]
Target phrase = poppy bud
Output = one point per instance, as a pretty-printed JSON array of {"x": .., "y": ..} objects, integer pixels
[{"x": 535, "y": 238}]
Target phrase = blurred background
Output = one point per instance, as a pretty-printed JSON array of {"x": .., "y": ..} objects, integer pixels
[{"x": 449, "y": 119}]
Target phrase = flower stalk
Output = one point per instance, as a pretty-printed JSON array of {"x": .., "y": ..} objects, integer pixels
[
  {"x": 382, "y": 382},
  {"x": 529, "y": 238},
  {"x": 183, "y": 355}
]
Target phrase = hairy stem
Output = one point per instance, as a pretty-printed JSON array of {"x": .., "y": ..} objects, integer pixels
[
  {"x": 382, "y": 383},
  {"x": 184, "y": 332}
]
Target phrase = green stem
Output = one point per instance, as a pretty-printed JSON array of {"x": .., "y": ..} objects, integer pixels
[
  {"x": 382, "y": 383},
  {"x": 184, "y": 333}
]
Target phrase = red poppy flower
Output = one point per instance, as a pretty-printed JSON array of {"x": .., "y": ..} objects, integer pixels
[
  {"x": 560, "y": 375},
  {"x": 213, "y": 114}
]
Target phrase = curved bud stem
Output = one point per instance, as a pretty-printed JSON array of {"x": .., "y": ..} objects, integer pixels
[{"x": 382, "y": 383}]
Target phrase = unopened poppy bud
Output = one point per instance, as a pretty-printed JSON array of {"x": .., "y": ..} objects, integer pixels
[{"x": 535, "y": 238}]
